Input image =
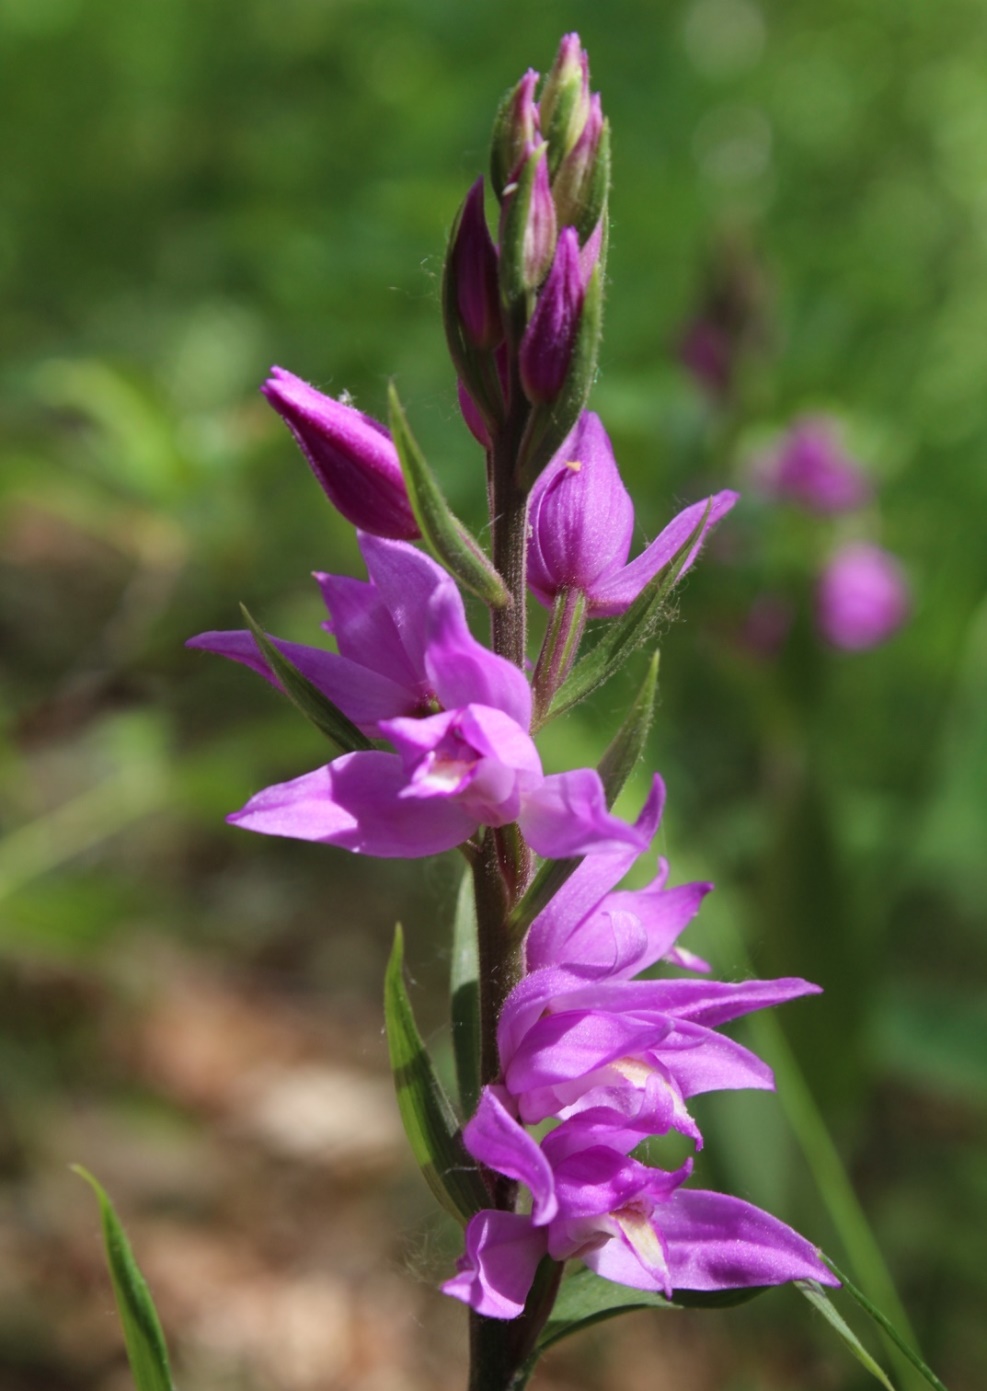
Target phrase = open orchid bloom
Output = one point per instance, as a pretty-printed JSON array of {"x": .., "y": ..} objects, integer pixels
[
  {"x": 629, "y": 1222},
  {"x": 404, "y": 647},
  {"x": 582, "y": 523}
]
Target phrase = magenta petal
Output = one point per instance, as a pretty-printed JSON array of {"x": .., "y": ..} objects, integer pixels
[
  {"x": 576, "y": 1043},
  {"x": 502, "y": 1254},
  {"x": 716, "y": 1242},
  {"x": 545, "y": 944},
  {"x": 462, "y": 670},
  {"x": 713, "y": 1002},
  {"x": 615, "y": 594},
  {"x": 364, "y": 696},
  {"x": 365, "y": 631},
  {"x": 568, "y": 815},
  {"x": 406, "y": 579},
  {"x": 495, "y": 1138},
  {"x": 354, "y": 803},
  {"x": 703, "y": 1061},
  {"x": 662, "y": 914}
]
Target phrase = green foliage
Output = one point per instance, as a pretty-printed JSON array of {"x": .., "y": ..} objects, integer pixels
[
  {"x": 142, "y": 1333},
  {"x": 429, "y": 1120},
  {"x": 315, "y": 706}
]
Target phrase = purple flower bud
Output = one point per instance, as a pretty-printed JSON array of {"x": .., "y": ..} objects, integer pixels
[
  {"x": 862, "y": 597},
  {"x": 528, "y": 224},
  {"x": 581, "y": 521},
  {"x": 475, "y": 422},
  {"x": 473, "y": 267},
  {"x": 516, "y": 129},
  {"x": 811, "y": 469},
  {"x": 546, "y": 348},
  {"x": 351, "y": 455},
  {"x": 574, "y": 178},
  {"x": 565, "y": 100},
  {"x": 581, "y": 517}
]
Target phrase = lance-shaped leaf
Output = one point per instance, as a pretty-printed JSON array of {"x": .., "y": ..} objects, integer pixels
[
  {"x": 624, "y": 635},
  {"x": 429, "y": 1120},
  {"x": 146, "y": 1350},
  {"x": 315, "y": 706},
  {"x": 615, "y": 767},
  {"x": 818, "y": 1298},
  {"x": 586, "y": 1298},
  {"x": 447, "y": 538},
  {"x": 464, "y": 989},
  {"x": 885, "y": 1325}
]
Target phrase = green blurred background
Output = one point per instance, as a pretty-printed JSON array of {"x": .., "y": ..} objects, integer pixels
[{"x": 192, "y": 190}]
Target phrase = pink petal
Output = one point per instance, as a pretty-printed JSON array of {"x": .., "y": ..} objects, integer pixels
[
  {"x": 615, "y": 594},
  {"x": 354, "y": 803}
]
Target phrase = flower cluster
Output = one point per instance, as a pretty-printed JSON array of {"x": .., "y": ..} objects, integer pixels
[
  {"x": 861, "y": 593},
  {"x": 613, "y": 1059},
  {"x": 435, "y": 732}
]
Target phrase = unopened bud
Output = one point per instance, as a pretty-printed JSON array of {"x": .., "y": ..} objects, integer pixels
[
  {"x": 546, "y": 348},
  {"x": 471, "y": 266},
  {"x": 582, "y": 184},
  {"x": 528, "y": 227},
  {"x": 565, "y": 101},
  {"x": 515, "y": 130},
  {"x": 352, "y": 456}
]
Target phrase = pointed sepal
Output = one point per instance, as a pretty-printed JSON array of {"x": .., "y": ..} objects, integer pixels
[
  {"x": 446, "y": 536},
  {"x": 316, "y": 707},
  {"x": 624, "y": 635}
]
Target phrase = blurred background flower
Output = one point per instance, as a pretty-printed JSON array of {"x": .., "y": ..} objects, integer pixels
[{"x": 191, "y": 192}]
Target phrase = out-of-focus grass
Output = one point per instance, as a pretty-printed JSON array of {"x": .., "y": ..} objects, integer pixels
[{"x": 190, "y": 192}]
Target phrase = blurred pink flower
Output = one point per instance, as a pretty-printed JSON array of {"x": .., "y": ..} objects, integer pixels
[{"x": 862, "y": 597}]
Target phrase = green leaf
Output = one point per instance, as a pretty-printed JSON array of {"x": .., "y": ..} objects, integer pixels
[
  {"x": 614, "y": 768},
  {"x": 429, "y": 1120},
  {"x": 624, "y": 635},
  {"x": 627, "y": 746},
  {"x": 308, "y": 698},
  {"x": 465, "y": 993},
  {"x": 445, "y": 535},
  {"x": 142, "y": 1333},
  {"x": 818, "y": 1298},
  {"x": 885, "y": 1324},
  {"x": 586, "y": 1298}
]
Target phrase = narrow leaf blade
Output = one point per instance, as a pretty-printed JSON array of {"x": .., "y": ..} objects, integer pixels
[
  {"x": 426, "y": 1112},
  {"x": 627, "y": 746},
  {"x": 819, "y": 1300},
  {"x": 315, "y": 706},
  {"x": 146, "y": 1349},
  {"x": 464, "y": 988},
  {"x": 885, "y": 1324},
  {"x": 444, "y": 533}
]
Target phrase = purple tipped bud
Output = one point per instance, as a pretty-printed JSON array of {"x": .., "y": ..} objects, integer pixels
[
  {"x": 528, "y": 226},
  {"x": 581, "y": 517},
  {"x": 351, "y": 455},
  {"x": 473, "y": 267},
  {"x": 546, "y": 348},
  {"x": 862, "y": 597},
  {"x": 574, "y": 184},
  {"x": 565, "y": 101},
  {"x": 516, "y": 129}
]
